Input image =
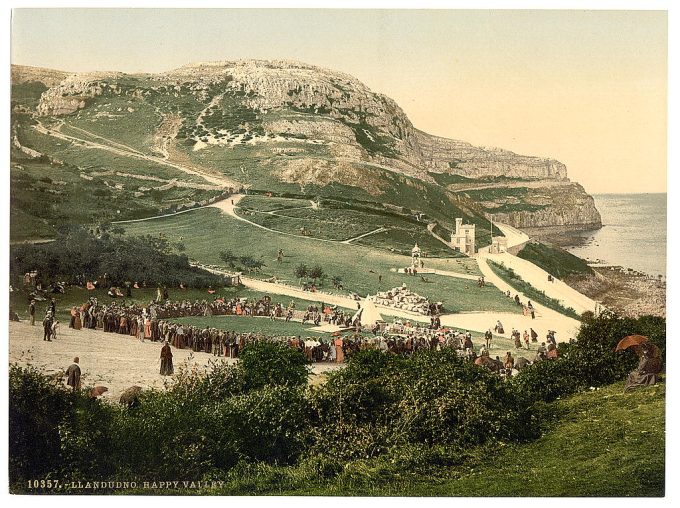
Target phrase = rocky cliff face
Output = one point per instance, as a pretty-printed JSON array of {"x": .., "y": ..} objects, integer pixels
[
  {"x": 566, "y": 206},
  {"x": 443, "y": 155},
  {"x": 256, "y": 101}
]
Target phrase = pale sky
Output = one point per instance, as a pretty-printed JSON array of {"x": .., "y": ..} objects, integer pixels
[{"x": 587, "y": 88}]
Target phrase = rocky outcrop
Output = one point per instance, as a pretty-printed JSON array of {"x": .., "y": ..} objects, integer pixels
[
  {"x": 442, "y": 155},
  {"x": 291, "y": 102},
  {"x": 74, "y": 92},
  {"x": 567, "y": 206}
]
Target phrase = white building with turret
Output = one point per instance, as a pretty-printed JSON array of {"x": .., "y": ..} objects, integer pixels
[{"x": 463, "y": 239}]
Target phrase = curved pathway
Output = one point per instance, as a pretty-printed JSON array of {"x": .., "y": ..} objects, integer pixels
[{"x": 218, "y": 181}]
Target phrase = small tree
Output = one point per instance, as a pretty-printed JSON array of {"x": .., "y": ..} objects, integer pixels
[
  {"x": 250, "y": 263},
  {"x": 301, "y": 271},
  {"x": 269, "y": 363},
  {"x": 229, "y": 258},
  {"x": 316, "y": 273}
]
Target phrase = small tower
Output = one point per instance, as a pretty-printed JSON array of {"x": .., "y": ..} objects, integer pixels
[
  {"x": 415, "y": 255},
  {"x": 463, "y": 239}
]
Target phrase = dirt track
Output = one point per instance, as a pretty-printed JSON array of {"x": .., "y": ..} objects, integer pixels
[{"x": 108, "y": 359}]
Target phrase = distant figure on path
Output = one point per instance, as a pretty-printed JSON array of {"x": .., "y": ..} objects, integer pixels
[
  {"x": 47, "y": 327},
  {"x": 73, "y": 375},
  {"x": 488, "y": 336},
  {"x": 31, "y": 312},
  {"x": 166, "y": 361}
]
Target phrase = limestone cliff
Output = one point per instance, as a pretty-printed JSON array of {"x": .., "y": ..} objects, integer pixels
[{"x": 336, "y": 121}]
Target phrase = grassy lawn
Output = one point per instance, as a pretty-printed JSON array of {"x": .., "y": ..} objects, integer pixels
[
  {"x": 597, "y": 443},
  {"x": 518, "y": 284},
  {"x": 267, "y": 204},
  {"x": 602, "y": 443},
  {"x": 336, "y": 220},
  {"x": 261, "y": 325},
  {"x": 207, "y": 232}
]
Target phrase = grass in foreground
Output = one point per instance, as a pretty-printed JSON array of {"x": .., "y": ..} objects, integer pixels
[{"x": 599, "y": 443}]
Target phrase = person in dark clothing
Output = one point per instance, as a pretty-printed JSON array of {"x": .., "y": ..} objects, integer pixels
[
  {"x": 534, "y": 335},
  {"x": 166, "y": 361},
  {"x": 53, "y": 307},
  {"x": 73, "y": 375},
  {"x": 47, "y": 327},
  {"x": 31, "y": 312}
]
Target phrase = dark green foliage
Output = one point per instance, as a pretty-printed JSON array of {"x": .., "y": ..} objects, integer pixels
[
  {"x": 36, "y": 406},
  {"x": 591, "y": 360},
  {"x": 255, "y": 425},
  {"x": 316, "y": 272},
  {"x": 554, "y": 260},
  {"x": 301, "y": 271},
  {"x": 27, "y": 94},
  {"x": 267, "y": 363},
  {"x": 229, "y": 258},
  {"x": 78, "y": 255},
  {"x": 435, "y": 398}
]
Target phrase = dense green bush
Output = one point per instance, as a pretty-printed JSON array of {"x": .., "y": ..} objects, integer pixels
[
  {"x": 270, "y": 363},
  {"x": 434, "y": 398},
  {"x": 591, "y": 360},
  {"x": 78, "y": 254},
  {"x": 36, "y": 407},
  {"x": 377, "y": 416}
]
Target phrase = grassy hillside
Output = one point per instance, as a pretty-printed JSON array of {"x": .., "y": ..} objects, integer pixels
[
  {"x": 554, "y": 260},
  {"x": 208, "y": 231},
  {"x": 212, "y": 127}
]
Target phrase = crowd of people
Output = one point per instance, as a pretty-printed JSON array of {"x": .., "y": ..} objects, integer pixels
[{"x": 155, "y": 322}]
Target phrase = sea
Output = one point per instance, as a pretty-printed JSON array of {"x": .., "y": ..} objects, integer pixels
[{"x": 633, "y": 234}]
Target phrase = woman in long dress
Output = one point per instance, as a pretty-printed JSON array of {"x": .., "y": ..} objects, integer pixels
[
  {"x": 166, "y": 361},
  {"x": 339, "y": 354},
  {"x": 77, "y": 324}
]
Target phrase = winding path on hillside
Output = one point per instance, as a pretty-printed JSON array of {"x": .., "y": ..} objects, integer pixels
[
  {"x": 219, "y": 181},
  {"x": 546, "y": 318}
]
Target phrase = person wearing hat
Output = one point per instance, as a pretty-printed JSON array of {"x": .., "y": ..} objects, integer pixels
[
  {"x": 47, "y": 327},
  {"x": 31, "y": 312},
  {"x": 73, "y": 375}
]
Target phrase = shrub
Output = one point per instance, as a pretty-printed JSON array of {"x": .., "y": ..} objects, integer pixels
[
  {"x": 36, "y": 407},
  {"x": 434, "y": 398},
  {"x": 269, "y": 363},
  {"x": 591, "y": 360},
  {"x": 78, "y": 254}
]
